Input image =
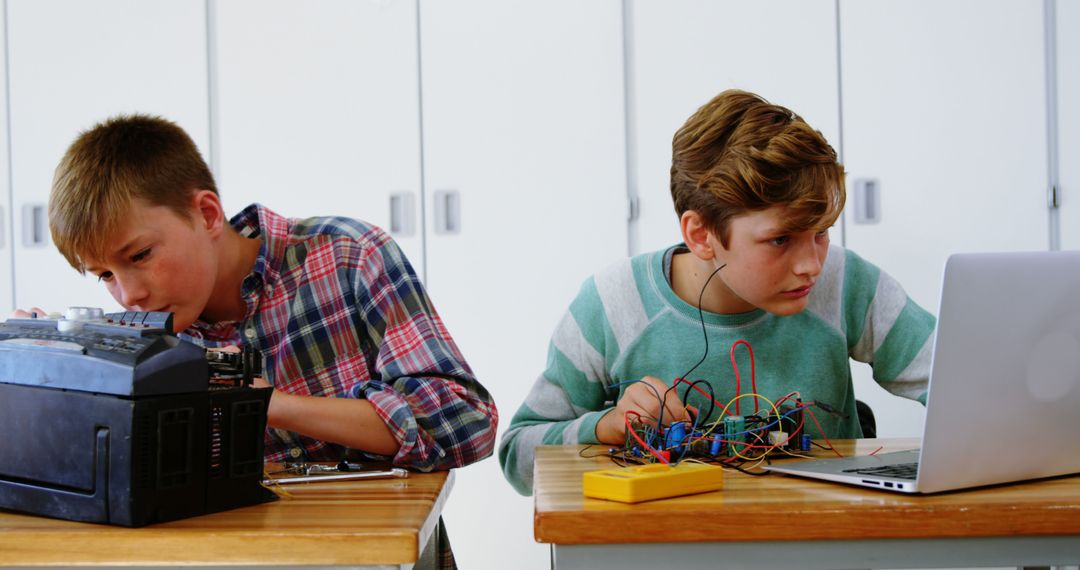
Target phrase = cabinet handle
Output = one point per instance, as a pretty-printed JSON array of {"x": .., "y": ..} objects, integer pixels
[
  {"x": 867, "y": 201},
  {"x": 447, "y": 212},
  {"x": 35, "y": 230},
  {"x": 402, "y": 214}
]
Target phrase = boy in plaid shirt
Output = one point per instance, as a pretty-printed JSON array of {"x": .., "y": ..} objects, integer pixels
[{"x": 359, "y": 360}]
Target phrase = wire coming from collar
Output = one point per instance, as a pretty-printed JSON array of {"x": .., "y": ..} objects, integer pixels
[{"x": 701, "y": 316}]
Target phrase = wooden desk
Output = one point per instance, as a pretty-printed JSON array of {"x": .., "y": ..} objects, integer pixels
[
  {"x": 784, "y": 522},
  {"x": 382, "y": 523}
]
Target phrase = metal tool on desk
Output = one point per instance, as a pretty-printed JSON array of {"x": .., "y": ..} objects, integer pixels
[
  {"x": 342, "y": 467},
  {"x": 343, "y": 471}
]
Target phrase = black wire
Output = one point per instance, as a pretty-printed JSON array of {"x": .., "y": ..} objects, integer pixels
[
  {"x": 701, "y": 316},
  {"x": 705, "y": 334},
  {"x": 663, "y": 404},
  {"x": 616, "y": 457},
  {"x": 581, "y": 452},
  {"x": 712, "y": 399},
  {"x": 619, "y": 460},
  {"x": 740, "y": 469},
  {"x": 655, "y": 391}
]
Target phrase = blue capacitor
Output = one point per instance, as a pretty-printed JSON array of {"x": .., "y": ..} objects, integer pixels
[
  {"x": 804, "y": 442},
  {"x": 676, "y": 435},
  {"x": 714, "y": 447}
]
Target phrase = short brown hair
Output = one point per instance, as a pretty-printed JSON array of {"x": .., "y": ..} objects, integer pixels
[
  {"x": 121, "y": 160},
  {"x": 740, "y": 153}
]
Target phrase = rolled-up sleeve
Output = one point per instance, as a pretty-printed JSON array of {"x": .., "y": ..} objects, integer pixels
[{"x": 421, "y": 387}]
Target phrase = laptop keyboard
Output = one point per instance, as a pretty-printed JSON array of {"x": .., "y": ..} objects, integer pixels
[{"x": 899, "y": 471}]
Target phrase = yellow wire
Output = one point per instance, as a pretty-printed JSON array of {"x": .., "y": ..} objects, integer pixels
[
  {"x": 732, "y": 445},
  {"x": 723, "y": 414}
]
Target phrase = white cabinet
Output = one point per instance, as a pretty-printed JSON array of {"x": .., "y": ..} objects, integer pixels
[
  {"x": 317, "y": 110},
  {"x": 1068, "y": 120},
  {"x": 523, "y": 120},
  {"x": 944, "y": 107},
  {"x": 72, "y": 64},
  {"x": 7, "y": 236},
  {"x": 684, "y": 53},
  {"x": 518, "y": 192}
]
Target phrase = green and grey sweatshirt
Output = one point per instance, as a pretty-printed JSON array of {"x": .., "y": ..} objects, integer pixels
[{"x": 627, "y": 323}]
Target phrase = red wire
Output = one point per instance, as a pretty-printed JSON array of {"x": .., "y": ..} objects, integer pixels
[
  {"x": 753, "y": 375},
  {"x": 698, "y": 388},
  {"x": 786, "y": 398},
  {"x": 630, "y": 430},
  {"x": 825, "y": 437}
]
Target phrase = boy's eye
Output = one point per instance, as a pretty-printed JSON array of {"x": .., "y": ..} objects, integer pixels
[
  {"x": 106, "y": 276},
  {"x": 779, "y": 240},
  {"x": 141, "y": 255}
]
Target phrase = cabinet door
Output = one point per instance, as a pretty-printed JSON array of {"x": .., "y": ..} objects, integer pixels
[
  {"x": 944, "y": 107},
  {"x": 1068, "y": 121},
  {"x": 684, "y": 53},
  {"x": 317, "y": 110},
  {"x": 523, "y": 119},
  {"x": 7, "y": 235},
  {"x": 71, "y": 65}
]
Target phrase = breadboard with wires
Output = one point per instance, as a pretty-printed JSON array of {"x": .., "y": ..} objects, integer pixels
[
  {"x": 728, "y": 439},
  {"x": 732, "y": 438}
]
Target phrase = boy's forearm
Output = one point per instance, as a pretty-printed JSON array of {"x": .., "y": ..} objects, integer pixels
[{"x": 346, "y": 421}]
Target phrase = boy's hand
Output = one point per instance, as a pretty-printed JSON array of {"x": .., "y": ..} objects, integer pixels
[
  {"x": 641, "y": 397},
  {"x": 34, "y": 312}
]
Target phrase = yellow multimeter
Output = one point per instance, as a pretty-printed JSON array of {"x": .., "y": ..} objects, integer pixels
[{"x": 650, "y": 482}]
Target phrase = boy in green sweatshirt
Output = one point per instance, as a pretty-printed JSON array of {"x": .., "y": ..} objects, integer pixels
[{"x": 756, "y": 190}]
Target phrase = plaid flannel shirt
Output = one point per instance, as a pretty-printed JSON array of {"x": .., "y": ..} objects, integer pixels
[{"x": 336, "y": 310}]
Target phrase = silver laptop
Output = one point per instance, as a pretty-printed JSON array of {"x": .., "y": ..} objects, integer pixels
[{"x": 1004, "y": 400}]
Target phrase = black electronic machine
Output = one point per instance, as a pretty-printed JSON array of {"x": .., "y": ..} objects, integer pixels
[{"x": 112, "y": 419}]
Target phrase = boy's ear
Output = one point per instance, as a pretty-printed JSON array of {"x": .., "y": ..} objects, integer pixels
[
  {"x": 208, "y": 211},
  {"x": 696, "y": 235}
]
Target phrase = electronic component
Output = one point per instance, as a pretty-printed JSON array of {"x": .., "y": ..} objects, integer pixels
[
  {"x": 649, "y": 482},
  {"x": 112, "y": 419},
  {"x": 776, "y": 430},
  {"x": 734, "y": 433},
  {"x": 675, "y": 437}
]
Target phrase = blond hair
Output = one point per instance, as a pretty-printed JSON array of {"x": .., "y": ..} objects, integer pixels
[
  {"x": 740, "y": 153},
  {"x": 111, "y": 166}
]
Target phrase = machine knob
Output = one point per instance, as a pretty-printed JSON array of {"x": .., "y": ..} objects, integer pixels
[
  {"x": 84, "y": 314},
  {"x": 75, "y": 317}
]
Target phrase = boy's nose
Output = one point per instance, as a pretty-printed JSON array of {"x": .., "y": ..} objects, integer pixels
[
  {"x": 808, "y": 261},
  {"x": 131, "y": 293}
]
